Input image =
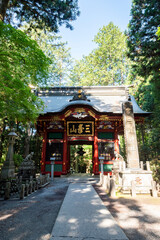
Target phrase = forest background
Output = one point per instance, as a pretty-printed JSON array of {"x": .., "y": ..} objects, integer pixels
[{"x": 33, "y": 54}]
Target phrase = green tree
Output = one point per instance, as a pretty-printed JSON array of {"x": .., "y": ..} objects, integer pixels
[
  {"x": 62, "y": 67},
  {"x": 53, "y": 47},
  {"x": 108, "y": 63},
  {"x": 144, "y": 51},
  {"x": 46, "y": 13},
  {"x": 21, "y": 63},
  {"x": 143, "y": 42}
]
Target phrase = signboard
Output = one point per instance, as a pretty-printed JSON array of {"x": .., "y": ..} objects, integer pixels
[{"x": 83, "y": 128}]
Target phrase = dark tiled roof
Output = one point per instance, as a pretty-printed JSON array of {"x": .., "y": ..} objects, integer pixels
[{"x": 102, "y": 99}]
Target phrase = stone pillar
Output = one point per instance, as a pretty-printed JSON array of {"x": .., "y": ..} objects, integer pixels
[
  {"x": 130, "y": 136},
  {"x": 8, "y": 169}
]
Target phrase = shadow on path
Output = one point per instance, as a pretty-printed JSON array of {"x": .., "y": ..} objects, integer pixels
[
  {"x": 138, "y": 217},
  {"x": 32, "y": 218}
]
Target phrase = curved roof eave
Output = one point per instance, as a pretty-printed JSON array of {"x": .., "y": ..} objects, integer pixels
[
  {"x": 101, "y": 104},
  {"x": 78, "y": 102},
  {"x": 136, "y": 108}
]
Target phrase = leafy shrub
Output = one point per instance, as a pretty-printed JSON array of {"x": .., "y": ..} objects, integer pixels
[
  {"x": 155, "y": 167},
  {"x": 17, "y": 160}
]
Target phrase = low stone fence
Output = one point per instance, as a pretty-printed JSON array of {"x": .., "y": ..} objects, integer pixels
[
  {"x": 109, "y": 184},
  {"x": 18, "y": 188}
]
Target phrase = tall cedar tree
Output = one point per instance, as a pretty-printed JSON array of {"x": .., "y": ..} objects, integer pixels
[
  {"x": 144, "y": 50},
  {"x": 143, "y": 43},
  {"x": 46, "y": 13}
]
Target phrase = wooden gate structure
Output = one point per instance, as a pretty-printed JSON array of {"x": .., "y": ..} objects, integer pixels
[{"x": 88, "y": 115}]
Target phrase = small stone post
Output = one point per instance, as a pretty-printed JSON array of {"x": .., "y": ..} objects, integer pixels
[
  {"x": 148, "y": 166},
  {"x": 112, "y": 191},
  {"x": 7, "y": 190},
  {"x": 30, "y": 187},
  {"x": 154, "y": 191},
  {"x": 22, "y": 191},
  {"x": 27, "y": 189},
  {"x": 105, "y": 182},
  {"x": 141, "y": 165},
  {"x": 101, "y": 179}
]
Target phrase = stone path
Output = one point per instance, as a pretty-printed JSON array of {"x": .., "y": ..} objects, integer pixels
[{"x": 83, "y": 216}]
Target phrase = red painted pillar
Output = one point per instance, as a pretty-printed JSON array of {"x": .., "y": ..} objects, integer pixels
[
  {"x": 68, "y": 158},
  {"x": 116, "y": 141},
  {"x": 95, "y": 157},
  {"x": 43, "y": 156},
  {"x": 64, "y": 163}
]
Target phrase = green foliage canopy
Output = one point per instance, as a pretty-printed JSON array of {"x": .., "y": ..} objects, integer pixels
[
  {"x": 53, "y": 47},
  {"x": 46, "y": 13},
  {"x": 21, "y": 63}
]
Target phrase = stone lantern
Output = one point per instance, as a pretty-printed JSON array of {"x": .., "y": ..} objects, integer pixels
[{"x": 8, "y": 169}]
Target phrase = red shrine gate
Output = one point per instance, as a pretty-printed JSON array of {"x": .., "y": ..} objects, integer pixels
[{"x": 91, "y": 116}]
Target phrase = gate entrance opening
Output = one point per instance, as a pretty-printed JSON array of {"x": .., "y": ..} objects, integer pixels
[{"x": 81, "y": 158}]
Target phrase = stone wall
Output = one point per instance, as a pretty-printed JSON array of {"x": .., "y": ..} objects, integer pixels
[{"x": 18, "y": 188}]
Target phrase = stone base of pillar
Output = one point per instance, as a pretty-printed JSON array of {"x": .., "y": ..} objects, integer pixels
[
  {"x": 142, "y": 179},
  {"x": 8, "y": 172}
]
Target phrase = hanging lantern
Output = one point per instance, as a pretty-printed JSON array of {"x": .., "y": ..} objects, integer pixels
[{"x": 81, "y": 152}]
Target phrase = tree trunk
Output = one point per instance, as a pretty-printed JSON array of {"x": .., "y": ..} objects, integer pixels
[
  {"x": 3, "y": 9},
  {"x": 143, "y": 140},
  {"x": 27, "y": 140}
]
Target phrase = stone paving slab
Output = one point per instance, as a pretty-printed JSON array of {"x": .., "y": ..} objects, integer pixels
[{"x": 83, "y": 216}]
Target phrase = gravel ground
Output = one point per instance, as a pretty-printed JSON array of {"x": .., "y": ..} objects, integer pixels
[
  {"x": 138, "y": 217},
  {"x": 32, "y": 218}
]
